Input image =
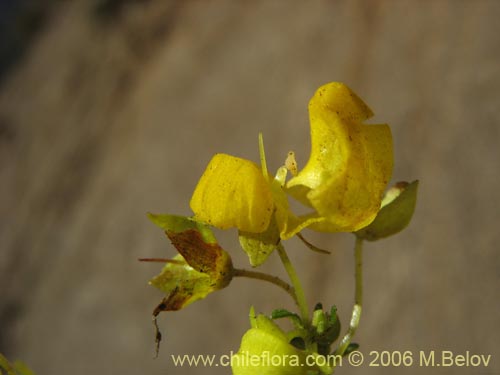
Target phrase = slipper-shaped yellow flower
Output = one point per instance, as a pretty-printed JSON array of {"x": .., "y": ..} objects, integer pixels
[
  {"x": 265, "y": 350},
  {"x": 349, "y": 166},
  {"x": 343, "y": 181},
  {"x": 233, "y": 192}
]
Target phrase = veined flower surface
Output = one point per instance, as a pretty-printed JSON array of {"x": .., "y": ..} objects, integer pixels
[
  {"x": 349, "y": 166},
  {"x": 342, "y": 183},
  {"x": 232, "y": 192}
]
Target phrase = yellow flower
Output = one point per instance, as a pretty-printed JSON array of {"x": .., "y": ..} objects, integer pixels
[
  {"x": 348, "y": 169},
  {"x": 342, "y": 183},
  {"x": 265, "y": 350},
  {"x": 233, "y": 192}
]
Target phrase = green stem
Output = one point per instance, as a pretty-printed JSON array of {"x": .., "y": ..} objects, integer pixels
[
  {"x": 300, "y": 297},
  {"x": 237, "y": 272},
  {"x": 358, "y": 297}
]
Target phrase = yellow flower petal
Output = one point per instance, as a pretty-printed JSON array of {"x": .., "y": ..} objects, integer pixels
[
  {"x": 350, "y": 163},
  {"x": 232, "y": 192}
]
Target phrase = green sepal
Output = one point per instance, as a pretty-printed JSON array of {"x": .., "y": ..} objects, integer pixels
[
  {"x": 200, "y": 268},
  {"x": 397, "y": 210},
  {"x": 178, "y": 224},
  {"x": 259, "y": 246},
  {"x": 283, "y": 313},
  {"x": 326, "y": 328},
  {"x": 183, "y": 284}
]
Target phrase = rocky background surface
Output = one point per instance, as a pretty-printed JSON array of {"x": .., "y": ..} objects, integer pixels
[{"x": 110, "y": 109}]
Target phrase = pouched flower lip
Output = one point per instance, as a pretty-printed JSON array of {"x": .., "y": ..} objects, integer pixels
[
  {"x": 265, "y": 350},
  {"x": 349, "y": 166},
  {"x": 232, "y": 192},
  {"x": 342, "y": 183}
]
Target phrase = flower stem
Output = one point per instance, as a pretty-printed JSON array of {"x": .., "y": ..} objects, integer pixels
[
  {"x": 237, "y": 272},
  {"x": 300, "y": 297},
  {"x": 358, "y": 297}
]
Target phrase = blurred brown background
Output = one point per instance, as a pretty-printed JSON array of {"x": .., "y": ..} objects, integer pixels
[{"x": 110, "y": 109}]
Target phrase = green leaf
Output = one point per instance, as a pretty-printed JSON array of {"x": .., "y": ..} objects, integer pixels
[
  {"x": 282, "y": 313},
  {"x": 396, "y": 212}
]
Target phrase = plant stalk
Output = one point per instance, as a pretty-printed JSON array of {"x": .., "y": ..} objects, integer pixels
[
  {"x": 300, "y": 297},
  {"x": 358, "y": 297},
  {"x": 237, "y": 272}
]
